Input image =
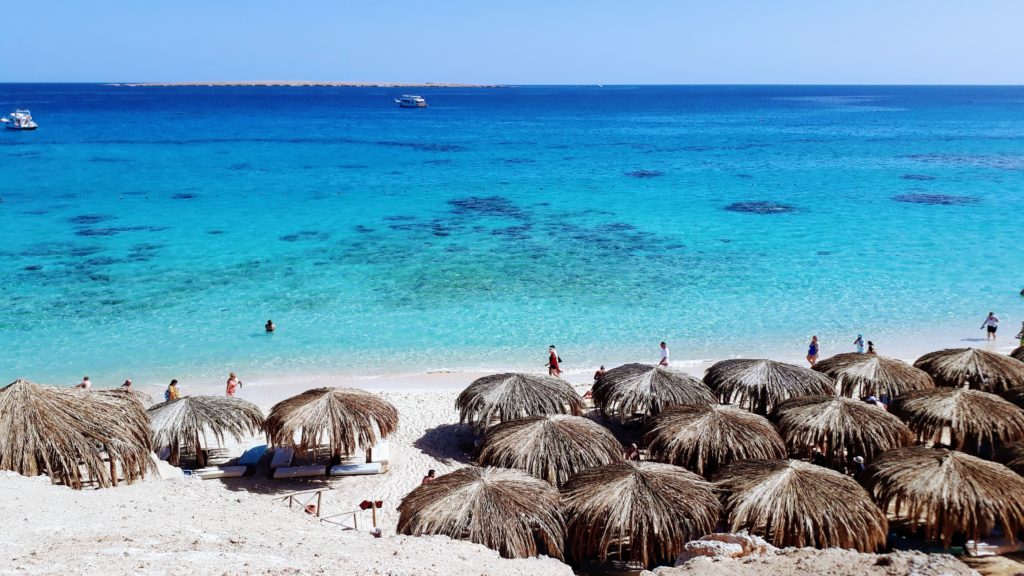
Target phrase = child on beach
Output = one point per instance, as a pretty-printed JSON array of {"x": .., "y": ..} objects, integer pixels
[
  {"x": 233, "y": 384},
  {"x": 812, "y": 351},
  {"x": 859, "y": 343},
  {"x": 871, "y": 347},
  {"x": 553, "y": 362}
]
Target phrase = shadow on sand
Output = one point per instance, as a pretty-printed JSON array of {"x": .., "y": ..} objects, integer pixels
[{"x": 449, "y": 443}]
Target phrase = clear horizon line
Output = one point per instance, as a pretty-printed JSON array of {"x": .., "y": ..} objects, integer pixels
[{"x": 283, "y": 83}]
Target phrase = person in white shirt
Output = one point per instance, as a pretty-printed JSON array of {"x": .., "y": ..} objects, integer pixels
[
  {"x": 664, "y": 355},
  {"x": 992, "y": 324},
  {"x": 85, "y": 383}
]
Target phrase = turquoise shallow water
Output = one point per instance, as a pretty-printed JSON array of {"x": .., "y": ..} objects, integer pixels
[{"x": 151, "y": 231}]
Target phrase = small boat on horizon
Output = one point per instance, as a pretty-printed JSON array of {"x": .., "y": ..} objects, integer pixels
[
  {"x": 20, "y": 120},
  {"x": 408, "y": 101}
]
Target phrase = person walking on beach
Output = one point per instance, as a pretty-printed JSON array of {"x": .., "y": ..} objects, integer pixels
[
  {"x": 859, "y": 343},
  {"x": 269, "y": 326},
  {"x": 85, "y": 383},
  {"x": 664, "y": 355},
  {"x": 233, "y": 384},
  {"x": 172, "y": 392},
  {"x": 554, "y": 369},
  {"x": 991, "y": 324},
  {"x": 812, "y": 351}
]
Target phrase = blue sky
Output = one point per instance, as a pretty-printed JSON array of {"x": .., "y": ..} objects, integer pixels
[{"x": 526, "y": 42}]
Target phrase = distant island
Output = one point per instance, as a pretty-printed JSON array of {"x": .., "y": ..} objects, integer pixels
[{"x": 314, "y": 83}]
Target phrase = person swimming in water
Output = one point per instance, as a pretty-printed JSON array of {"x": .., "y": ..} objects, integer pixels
[{"x": 269, "y": 326}]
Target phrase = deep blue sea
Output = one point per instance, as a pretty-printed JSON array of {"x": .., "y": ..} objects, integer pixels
[{"x": 150, "y": 232}]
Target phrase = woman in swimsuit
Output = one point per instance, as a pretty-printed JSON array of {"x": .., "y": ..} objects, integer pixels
[
  {"x": 812, "y": 351},
  {"x": 553, "y": 359}
]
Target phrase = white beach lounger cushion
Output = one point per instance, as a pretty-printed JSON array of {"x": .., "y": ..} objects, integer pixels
[
  {"x": 221, "y": 472},
  {"x": 282, "y": 458},
  {"x": 252, "y": 456},
  {"x": 356, "y": 469},
  {"x": 381, "y": 452},
  {"x": 300, "y": 471}
]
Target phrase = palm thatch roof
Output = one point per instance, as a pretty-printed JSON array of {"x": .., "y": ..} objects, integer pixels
[
  {"x": 972, "y": 418},
  {"x": 1013, "y": 456},
  {"x": 974, "y": 368},
  {"x": 759, "y": 385},
  {"x": 505, "y": 397},
  {"x": 72, "y": 436},
  {"x": 344, "y": 418},
  {"x": 859, "y": 375},
  {"x": 707, "y": 438},
  {"x": 644, "y": 389},
  {"x": 834, "y": 425},
  {"x": 144, "y": 399},
  {"x": 505, "y": 510},
  {"x": 640, "y": 512},
  {"x": 793, "y": 503},
  {"x": 948, "y": 492},
  {"x": 1018, "y": 353},
  {"x": 1015, "y": 395},
  {"x": 551, "y": 448},
  {"x": 180, "y": 423}
]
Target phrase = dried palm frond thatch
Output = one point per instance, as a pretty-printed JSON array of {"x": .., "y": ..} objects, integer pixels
[
  {"x": 551, "y": 448},
  {"x": 973, "y": 368},
  {"x": 638, "y": 512},
  {"x": 180, "y": 423},
  {"x": 859, "y": 375},
  {"x": 1013, "y": 456},
  {"x": 72, "y": 436},
  {"x": 793, "y": 503},
  {"x": 1015, "y": 395},
  {"x": 144, "y": 399},
  {"x": 840, "y": 427},
  {"x": 707, "y": 438},
  {"x": 972, "y": 418},
  {"x": 758, "y": 385},
  {"x": 505, "y": 510},
  {"x": 948, "y": 492},
  {"x": 505, "y": 397},
  {"x": 346, "y": 419},
  {"x": 1018, "y": 353},
  {"x": 644, "y": 389}
]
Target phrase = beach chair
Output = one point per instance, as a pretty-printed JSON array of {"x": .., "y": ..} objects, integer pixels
[
  {"x": 252, "y": 456},
  {"x": 213, "y": 472},
  {"x": 300, "y": 471},
  {"x": 282, "y": 458},
  {"x": 357, "y": 469}
]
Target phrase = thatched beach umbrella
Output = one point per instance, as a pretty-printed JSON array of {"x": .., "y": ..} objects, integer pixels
[
  {"x": 643, "y": 389},
  {"x": 948, "y": 492},
  {"x": 505, "y": 397},
  {"x": 551, "y": 448},
  {"x": 793, "y": 503},
  {"x": 835, "y": 425},
  {"x": 706, "y": 438},
  {"x": 1018, "y": 353},
  {"x": 759, "y": 385},
  {"x": 974, "y": 368},
  {"x": 1015, "y": 395},
  {"x": 346, "y": 419},
  {"x": 72, "y": 436},
  {"x": 182, "y": 422},
  {"x": 640, "y": 512},
  {"x": 505, "y": 510},
  {"x": 1013, "y": 456},
  {"x": 971, "y": 418},
  {"x": 859, "y": 375}
]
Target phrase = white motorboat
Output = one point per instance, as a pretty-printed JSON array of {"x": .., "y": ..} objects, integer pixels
[
  {"x": 20, "y": 120},
  {"x": 408, "y": 101}
]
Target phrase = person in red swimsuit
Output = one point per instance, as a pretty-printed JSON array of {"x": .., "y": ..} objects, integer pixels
[{"x": 553, "y": 360}]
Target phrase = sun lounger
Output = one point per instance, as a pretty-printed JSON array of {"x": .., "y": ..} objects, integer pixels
[
  {"x": 992, "y": 547},
  {"x": 380, "y": 452},
  {"x": 300, "y": 471},
  {"x": 220, "y": 472},
  {"x": 357, "y": 469},
  {"x": 282, "y": 458},
  {"x": 252, "y": 456}
]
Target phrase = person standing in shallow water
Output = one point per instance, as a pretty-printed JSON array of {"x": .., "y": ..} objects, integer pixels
[
  {"x": 664, "y": 355},
  {"x": 554, "y": 367},
  {"x": 812, "y": 351},
  {"x": 269, "y": 326},
  {"x": 991, "y": 324},
  {"x": 859, "y": 343}
]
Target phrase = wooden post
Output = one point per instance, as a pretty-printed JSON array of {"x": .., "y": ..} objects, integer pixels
[
  {"x": 319, "y": 496},
  {"x": 113, "y": 468},
  {"x": 373, "y": 512},
  {"x": 200, "y": 457},
  {"x": 369, "y": 455}
]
